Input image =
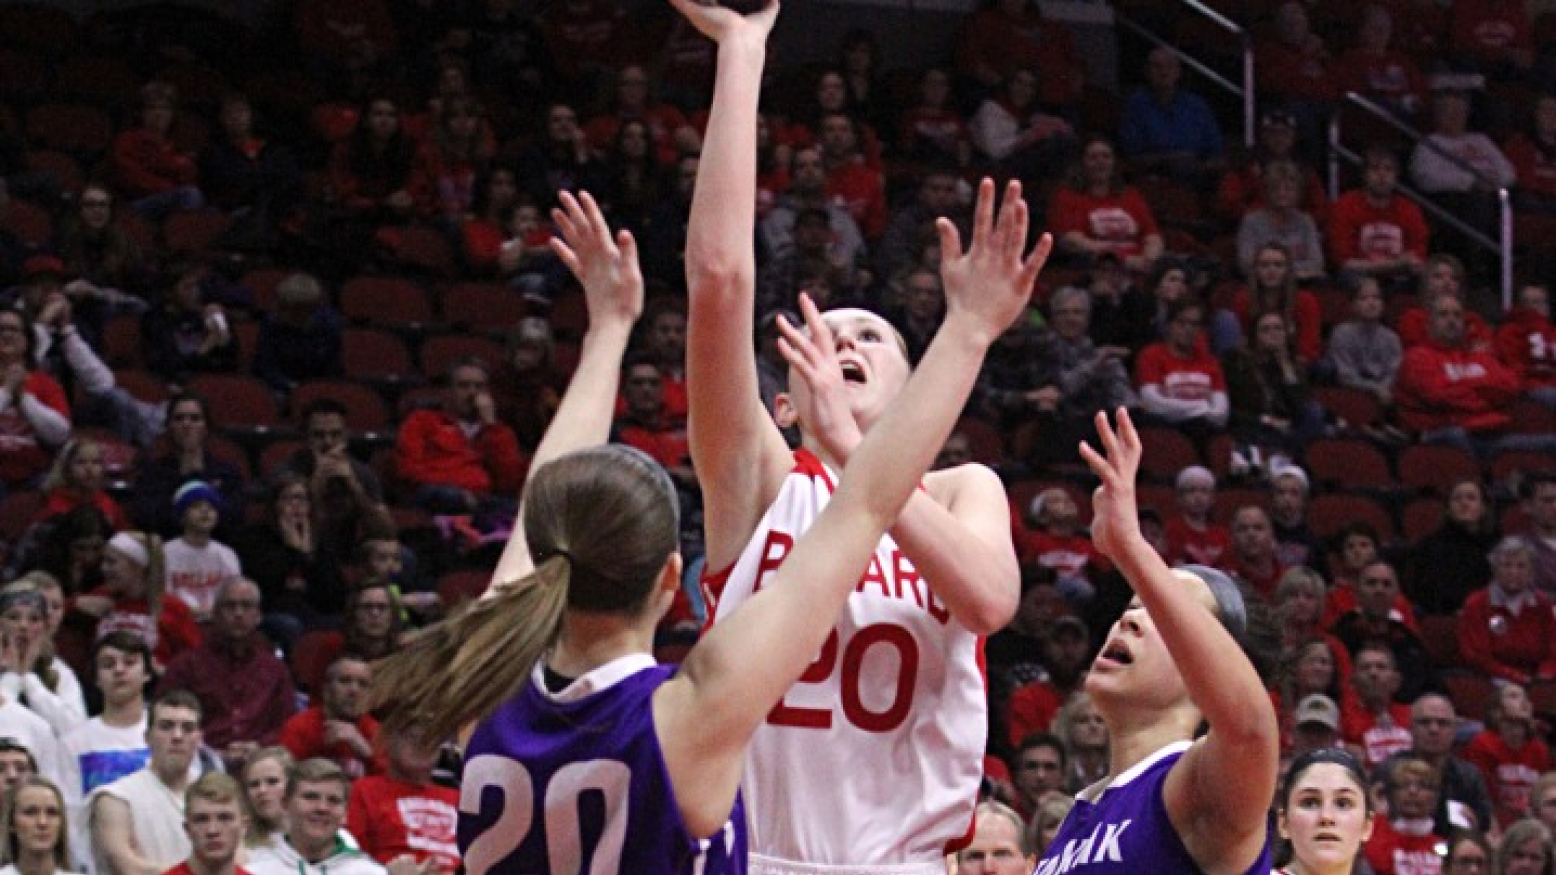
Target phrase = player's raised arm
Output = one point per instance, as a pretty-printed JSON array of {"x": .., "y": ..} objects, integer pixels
[
  {"x": 1217, "y": 795},
  {"x": 736, "y": 449},
  {"x": 747, "y": 661},
  {"x": 607, "y": 268}
]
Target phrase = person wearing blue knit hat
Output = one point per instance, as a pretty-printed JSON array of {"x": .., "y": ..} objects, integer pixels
[{"x": 196, "y": 562}]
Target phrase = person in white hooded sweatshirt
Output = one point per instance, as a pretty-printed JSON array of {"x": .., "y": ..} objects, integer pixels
[{"x": 316, "y": 794}]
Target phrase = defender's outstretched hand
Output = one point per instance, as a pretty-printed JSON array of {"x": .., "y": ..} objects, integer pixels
[
  {"x": 988, "y": 286},
  {"x": 721, "y": 24},
  {"x": 814, "y": 359},
  {"x": 606, "y": 265},
  {"x": 1115, "y": 514}
]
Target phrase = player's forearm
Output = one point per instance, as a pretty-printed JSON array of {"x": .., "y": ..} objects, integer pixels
[{"x": 723, "y": 211}]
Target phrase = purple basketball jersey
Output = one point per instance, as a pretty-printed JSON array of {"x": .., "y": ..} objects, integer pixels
[
  {"x": 575, "y": 783},
  {"x": 1127, "y": 829}
]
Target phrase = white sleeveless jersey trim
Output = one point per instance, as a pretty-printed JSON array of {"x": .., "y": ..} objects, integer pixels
[
  {"x": 1095, "y": 791},
  {"x": 601, "y": 677},
  {"x": 855, "y": 765},
  {"x": 760, "y": 865}
]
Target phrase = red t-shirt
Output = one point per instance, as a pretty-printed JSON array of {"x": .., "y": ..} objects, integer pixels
[
  {"x": 1357, "y": 229},
  {"x": 1206, "y": 546},
  {"x": 1122, "y": 220},
  {"x": 390, "y": 818},
  {"x": 1526, "y": 343},
  {"x": 1193, "y": 377},
  {"x": 1379, "y": 739},
  {"x": 1510, "y": 774},
  {"x": 174, "y": 632},
  {"x": 21, "y": 457},
  {"x": 1394, "y": 853},
  {"x": 303, "y": 736}
]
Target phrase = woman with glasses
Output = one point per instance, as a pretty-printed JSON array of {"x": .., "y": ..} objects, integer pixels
[
  {"x": 301, "y": 583},
  {"x": 182, "y": 454},
  {"x": 374, "y": 622},
  {"x": 1324, "y": 813}
]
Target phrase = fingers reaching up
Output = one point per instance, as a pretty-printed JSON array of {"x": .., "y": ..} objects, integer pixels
[
  {"x": 606, "y": 265},
  {"x": 993, "y": 279}
]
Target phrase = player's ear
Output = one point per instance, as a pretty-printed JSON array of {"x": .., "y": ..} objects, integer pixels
[{"x": 783, "y": 410}]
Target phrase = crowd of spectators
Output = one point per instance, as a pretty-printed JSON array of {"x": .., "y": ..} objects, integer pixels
[{"x": 281, "y": 326}]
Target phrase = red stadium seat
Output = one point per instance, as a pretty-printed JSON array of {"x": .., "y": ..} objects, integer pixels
[
  {"x": 72, "y": 127},
  {"x": 29, "y": 222},
  {"x": 16, "y": 512},
  {"x": 985, "y": 442},
  {"x": 1436, "y": 468},
  {"x": 311, "y": 657},
  {"x": 372, "y": 354},
  {"x": 457, "y": 587},
  {"x": 438, "y": 353},
  {"x": 99, "y": 78},
  {"x": 388, "y": 302},
  {"x": 1421, "y": 518},
  {"x": 65, "y": 169},
  {"x": 194, "y": 232},
  {"x": 262, "y": 283},
  {"x": 121, "y": 342},
  {"x": 482, "y": 306},
  {"x": 238, "y": 402},
  {"x": 365, "y": 408},
  {"x": 1348, "y": 463},
  {"x": 1166, "y": 451},
  {"x": 1327, "y": 514},
  {"x": 1356, "y": 407}
]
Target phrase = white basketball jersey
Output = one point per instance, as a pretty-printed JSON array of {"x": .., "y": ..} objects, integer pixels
[{"x": 875, "y": 755}]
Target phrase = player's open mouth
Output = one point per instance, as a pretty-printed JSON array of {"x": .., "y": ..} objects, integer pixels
[
  {"x": 853, "y": 372},
  {"x": 1118, "y": 653}
]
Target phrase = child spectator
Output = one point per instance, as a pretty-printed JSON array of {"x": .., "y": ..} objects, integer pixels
[
  {"x": 302, "y": 340},
  {"x": 1191, "y": 535},
  {"x": 1509, "y": 753},
  {"x": 1376, "y": 231},
  {"x": 1363, "y": 352},
  {"x": 187, "y": 333},
  {"x": 196, "y": 562},
  {"x": 77, "y": 479},
  {"x": 1057, "y": 541}
]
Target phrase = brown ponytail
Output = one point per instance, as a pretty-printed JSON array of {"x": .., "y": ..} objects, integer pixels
[
  {"x": 601, "y": 524},
  {"x": 461, "y": 669}
]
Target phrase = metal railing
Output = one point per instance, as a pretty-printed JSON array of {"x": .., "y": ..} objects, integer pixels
[
  {"x": 1245, "y": 90},
  {"x": 1502, "y": 246}
]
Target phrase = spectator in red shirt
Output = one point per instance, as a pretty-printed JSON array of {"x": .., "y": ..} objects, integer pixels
[
  {"x": 1242, "y": 188},
  {"x": 245, "y": 692},
  {"x": 1191, "y": 535},
  {"x": 1494, "y": 37},
  {"x": 1377, "y": 71},
  {"x": 1179, "y": 381},
  {"x": 338, "y": 727},
  {"x": 461, "y": 458},
  {"x": 77, "y": 478},
  {"x": 370, "y": 171},
  {"x": 150, "y": 171},
  {"x": 1009, "y": 35},
  {"x": 215, "y": 822},
  {"x": 1509, "y": 753},
  {"x": 932, "y": 131},
  {"x": 1057, "y": 541},
  {"x": 1094, "y": 212},
  {"x": 1371, "y": 720},
  {"x": 582, "y": 36},
  {"x": 1404, "y": 843},
  {"x": 1443, "y": 274},
  {"x": 851, "y": 182},
  {"x": 1295, "y": 68},
  {"x": 1066, "y": 655},
  {"x": 1376, "y": 231},
  {"x": 1533, "y": 156},
  {"x": 1456, "y": 396},
  {"x": 1507, "y": 631},
  {"x": 1526, "y": 343},
  {"x": 671, "y": 134},
  {"x": 1254, "y": 558},
  {"x": 402, "y": 812},
  {"x": 646, "y": 425},
  {"x": 131, "y": 596}
]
